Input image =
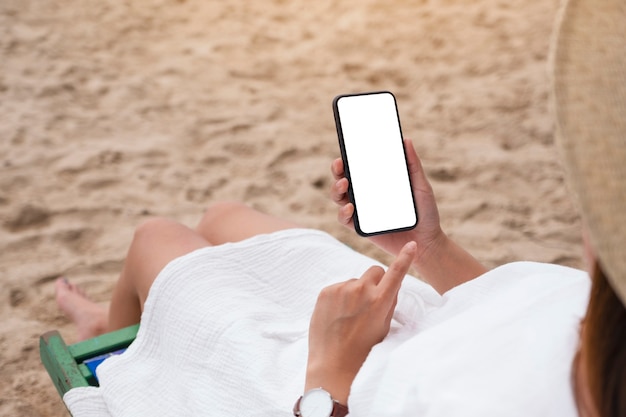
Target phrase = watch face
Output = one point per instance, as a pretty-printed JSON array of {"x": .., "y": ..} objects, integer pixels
[{"x": 316, "y": 403}]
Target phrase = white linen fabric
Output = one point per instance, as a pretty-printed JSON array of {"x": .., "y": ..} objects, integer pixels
[{"x": 224, "y": 332}]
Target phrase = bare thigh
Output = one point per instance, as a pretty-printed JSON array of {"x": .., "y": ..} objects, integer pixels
[
  {"x": 231, "y": 222},
  {"x": 159, "y": 241}
]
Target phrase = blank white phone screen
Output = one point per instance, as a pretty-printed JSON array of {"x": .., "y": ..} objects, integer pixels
[{"x": 376, "y": 162}]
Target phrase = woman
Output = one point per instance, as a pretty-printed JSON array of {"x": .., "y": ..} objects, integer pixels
[{"x": 232, "y": 321}]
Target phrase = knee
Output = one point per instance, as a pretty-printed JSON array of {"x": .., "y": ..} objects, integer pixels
[
  {"x": 217, "y": 212},
  {"x": 151, "y": 230}
]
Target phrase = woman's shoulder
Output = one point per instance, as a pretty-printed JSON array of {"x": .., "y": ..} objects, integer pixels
[
  {"x": 524, "y": 268},
  {"x": 517, "y": 276},
  {"x": 513, "y": 290}
]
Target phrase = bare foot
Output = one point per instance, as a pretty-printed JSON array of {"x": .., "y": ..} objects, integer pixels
[{"x": 90, "y": 318}]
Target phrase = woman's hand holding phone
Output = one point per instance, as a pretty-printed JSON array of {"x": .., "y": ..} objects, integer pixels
[
  {"x": 428, "y": 229},
  {"x": 438, "y": 259}
]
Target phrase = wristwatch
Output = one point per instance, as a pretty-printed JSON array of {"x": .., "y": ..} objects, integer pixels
[{"x": 318, "y": 403}]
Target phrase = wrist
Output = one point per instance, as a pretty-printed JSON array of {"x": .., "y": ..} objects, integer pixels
[
  {"x": 336, "y": 381},
  {"x": 431, "y": 250},
  {"x": 318, "y": 402},
  {"x": 444, "y": 264}
]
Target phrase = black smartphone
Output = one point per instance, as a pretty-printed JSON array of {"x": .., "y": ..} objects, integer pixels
[{"x": 372, "y": 149}]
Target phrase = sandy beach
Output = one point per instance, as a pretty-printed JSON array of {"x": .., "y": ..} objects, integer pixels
[{"x": 113, "y": 112}]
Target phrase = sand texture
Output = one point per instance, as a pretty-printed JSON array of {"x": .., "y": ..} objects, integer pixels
[{"x": 113, "y": 112}]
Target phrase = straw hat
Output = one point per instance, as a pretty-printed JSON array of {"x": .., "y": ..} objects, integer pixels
[{"x": 589, "y": 81}]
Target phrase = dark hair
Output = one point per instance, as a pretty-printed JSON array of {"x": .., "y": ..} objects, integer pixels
[{"x": 603, "y": 342}]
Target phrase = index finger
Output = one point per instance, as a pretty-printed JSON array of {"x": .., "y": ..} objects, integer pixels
[
  {"x": 391, "y": 281},
  {"x": 337, "y": 168}
]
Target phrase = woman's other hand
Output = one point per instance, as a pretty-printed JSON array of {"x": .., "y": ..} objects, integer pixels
[{"x": 349, "y": 319}]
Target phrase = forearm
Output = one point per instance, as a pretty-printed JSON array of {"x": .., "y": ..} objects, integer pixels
[{"x": 444, "y": 264}]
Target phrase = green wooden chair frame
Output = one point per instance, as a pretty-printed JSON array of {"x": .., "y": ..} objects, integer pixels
[{"x": 65, "y": 363}]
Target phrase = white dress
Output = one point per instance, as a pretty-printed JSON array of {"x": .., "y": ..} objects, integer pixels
[{"x": 224, "y": 332}]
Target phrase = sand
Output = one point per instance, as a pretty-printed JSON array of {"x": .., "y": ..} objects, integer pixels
[{"x": 113, "y": 112}]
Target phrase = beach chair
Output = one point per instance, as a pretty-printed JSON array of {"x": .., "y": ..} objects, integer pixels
[{"x": 74, "y": 365}]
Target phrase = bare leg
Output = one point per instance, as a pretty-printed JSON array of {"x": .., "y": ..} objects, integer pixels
[
  {"x": 231, "y": 222},
  {"x": 156, "y": 243}
]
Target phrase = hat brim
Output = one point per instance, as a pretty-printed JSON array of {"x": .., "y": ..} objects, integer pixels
[{"x": 588, "y": 61}]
